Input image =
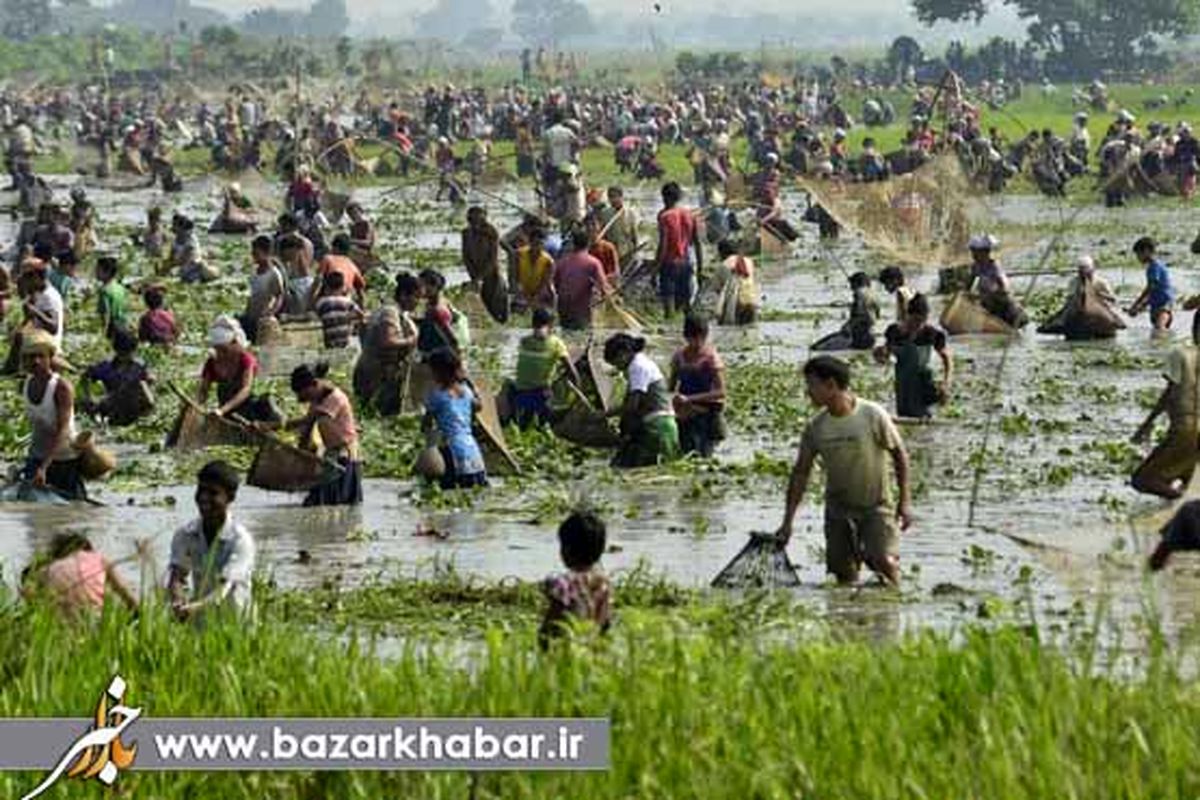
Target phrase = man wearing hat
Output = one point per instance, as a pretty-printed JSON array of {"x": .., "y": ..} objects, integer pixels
[
  {"x": 50, "y": 408},
  {"x": 990, "y": 284},
  {"x": 43, "y": 310}
]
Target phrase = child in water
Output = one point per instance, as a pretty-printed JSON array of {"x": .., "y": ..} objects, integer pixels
[
  {"x": 75, "y": 578},
  {"x": 451, "y": 407},
  {"x": 583, "y": 593}
]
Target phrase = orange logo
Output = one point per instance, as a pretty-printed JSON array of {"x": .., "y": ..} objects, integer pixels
[{"x": 99, "y": 754}]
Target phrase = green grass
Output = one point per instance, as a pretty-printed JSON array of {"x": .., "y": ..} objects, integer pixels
[{"x": 733, "y": 713}]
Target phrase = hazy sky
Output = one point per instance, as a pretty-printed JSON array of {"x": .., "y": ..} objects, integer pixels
[
  {"x": 396, "y": 16},
  {"x": 362, "y": 9}
]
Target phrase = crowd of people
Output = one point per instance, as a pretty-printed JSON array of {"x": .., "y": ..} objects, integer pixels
[{"x": 563, "y": 264}]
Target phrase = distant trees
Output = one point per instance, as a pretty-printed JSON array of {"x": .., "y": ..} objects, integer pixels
[
  {"x": 26, "y": 19},
  {"x": 325, "y": 19},
  {"x": 1084, "y": 38},
  {"x": 904, "y": 54},
  {"x": 453, "y": 20}
]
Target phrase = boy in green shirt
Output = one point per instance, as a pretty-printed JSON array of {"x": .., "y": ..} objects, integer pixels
[
  {"x": 540, "y": 356},
  {"x": 113, "y": 302}
]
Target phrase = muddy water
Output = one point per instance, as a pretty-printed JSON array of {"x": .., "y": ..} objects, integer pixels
[{"x": 1050, "y": 537}]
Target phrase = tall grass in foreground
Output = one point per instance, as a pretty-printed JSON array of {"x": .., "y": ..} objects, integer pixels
[{"x": 996, "y": 715}]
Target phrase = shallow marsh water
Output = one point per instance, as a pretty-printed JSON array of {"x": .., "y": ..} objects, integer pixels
[{"x": 1051, "y": 537}]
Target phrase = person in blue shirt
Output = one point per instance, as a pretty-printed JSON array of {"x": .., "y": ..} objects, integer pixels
[
  {"x": 1159, "y": 295},
  {"x": 451, "y": 407}
]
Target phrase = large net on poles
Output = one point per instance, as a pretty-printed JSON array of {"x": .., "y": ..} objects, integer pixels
[{"x": 925, "y": 216}]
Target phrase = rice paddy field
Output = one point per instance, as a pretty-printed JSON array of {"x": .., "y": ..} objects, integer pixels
[{"x": 1026, "y": 654}]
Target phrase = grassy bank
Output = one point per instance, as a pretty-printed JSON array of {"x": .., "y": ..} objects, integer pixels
[{"x": 734, "y": 713}]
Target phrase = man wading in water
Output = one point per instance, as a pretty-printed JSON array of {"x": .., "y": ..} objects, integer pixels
[
  {"x": 853, "y": 438},
  {"x": 1169, "y": 467}
]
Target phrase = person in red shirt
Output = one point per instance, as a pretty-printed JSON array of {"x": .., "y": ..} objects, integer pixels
[
  {"x": 678, "y": 243},
  {"x": 603, "y": 250},
  {"x": 578, "y": 279},
  {"x": 232, "y": 369},
  {"x": 340, "y": 261}
]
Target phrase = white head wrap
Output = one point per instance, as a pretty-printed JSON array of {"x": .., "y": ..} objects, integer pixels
[{"x": 226, "y": 330}]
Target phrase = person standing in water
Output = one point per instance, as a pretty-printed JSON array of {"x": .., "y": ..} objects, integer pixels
[
  {"x": 332, "y": 415},
  {"x": 214, "y": 553},
  {"x": 451, "y": 406},
  {"x": 912, "y": 343},
  {"x": 854, "y": 439},
  {"x": 990, "y": 283},
  {"x": 49, "y": 398},
  {"x": 680, "y": 257},
  {"x": 893, "y": 282},
  {"x": 697, "y": 377},
  {"x": 649, "y": 432},
  {"x": 1159, "y": 294},
  {"x": 1169, "y": 466}
]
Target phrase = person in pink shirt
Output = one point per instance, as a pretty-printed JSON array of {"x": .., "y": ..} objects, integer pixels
[
  {"x": 157, "y": 325},
  {"x": 578, "y": 279},
  {"x": 76, "y": 577},
  {"x": 331, "y": 414}
]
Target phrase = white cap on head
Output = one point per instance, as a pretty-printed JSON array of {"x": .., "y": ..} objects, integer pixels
[
  {"x": 1086, "y": 265},
  {"x": 1125, "y": 116},
  {"x": 983, "y": 241}
]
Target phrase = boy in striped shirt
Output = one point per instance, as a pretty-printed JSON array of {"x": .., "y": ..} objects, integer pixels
[{"x": 340, "y": 316}]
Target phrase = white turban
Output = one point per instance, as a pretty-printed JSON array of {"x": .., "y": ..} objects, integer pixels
[
  {"x": 1086, "y": 265},
  {"x": 983, "y": 241},
  {"x": 226, "y": 330}
]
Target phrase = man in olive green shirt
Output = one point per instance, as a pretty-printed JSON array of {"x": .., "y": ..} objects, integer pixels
[{"x": 855, "y": 439}]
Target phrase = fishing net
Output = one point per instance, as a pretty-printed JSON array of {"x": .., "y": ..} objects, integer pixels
[
  {"x": 265, "y": 195},
  {"x": 923, "y": 216},
  {"x": 762, "y": 564}
]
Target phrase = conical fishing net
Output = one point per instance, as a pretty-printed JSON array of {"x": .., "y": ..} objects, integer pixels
[
  {"x": 922, "y": 217},
  {"x": 762, "y": 564}
]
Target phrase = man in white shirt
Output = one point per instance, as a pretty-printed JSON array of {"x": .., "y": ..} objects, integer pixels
[
  {"x": 558, "y": 145},
  {"x": 42, "y": 308},
  {"x": 214, "y": 553},
  {"x": 44, "y": 305}
]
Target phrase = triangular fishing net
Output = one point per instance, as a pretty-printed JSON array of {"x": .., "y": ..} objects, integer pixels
[
  {"x": 921, "y": 217},
  {"x": 762, "y": 564}
]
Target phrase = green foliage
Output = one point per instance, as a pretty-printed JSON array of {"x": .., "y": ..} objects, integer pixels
[
  {"x": 754, "y": 708},
  {"x": 1089, "y": 37}
]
